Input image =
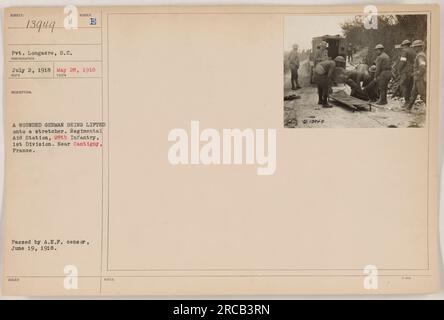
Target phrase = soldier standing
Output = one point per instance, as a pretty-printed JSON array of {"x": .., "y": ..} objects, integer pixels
[
  {"x": 322, "y": 53},
  {"x": 293, "y": 60},
  {"x": 383, "y": 73},
  {"x": 323, "y": 77},
  {"x": 419, "y": 74},
  {"x": 405, "y": 69},
  {"x": 396, "y": 77},
  {"x": 350, "y": 53}
]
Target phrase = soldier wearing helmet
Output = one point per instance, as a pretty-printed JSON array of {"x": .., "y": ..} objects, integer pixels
[
  {"x": 370, "y": 85},
  {"x": 383, "y": 73},
  {"x": 321, "y": 52},
  {"x": 323, "y": 75},
  {"x": 419, "y": 74},
  {"x": 405, "y": 69},
  {"x": 293, "y": 61},
  {"x": 354, "y": 78}
]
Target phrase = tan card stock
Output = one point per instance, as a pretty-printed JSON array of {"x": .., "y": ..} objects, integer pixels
[{"x": 162, "y": 150}]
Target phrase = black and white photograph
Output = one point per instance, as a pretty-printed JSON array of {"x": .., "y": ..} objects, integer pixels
[{"x": 341, "y": 72}]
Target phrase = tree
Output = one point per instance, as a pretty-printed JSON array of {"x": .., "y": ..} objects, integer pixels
[{"x": 391, "y": 31}]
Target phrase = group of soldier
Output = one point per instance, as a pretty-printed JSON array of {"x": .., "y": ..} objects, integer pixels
[
  {"x": 367, "y": 83},
  {"x": 412, "y": 68}
]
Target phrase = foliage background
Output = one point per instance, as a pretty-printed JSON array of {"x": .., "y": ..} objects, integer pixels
[{"x": 391, "y": 31}]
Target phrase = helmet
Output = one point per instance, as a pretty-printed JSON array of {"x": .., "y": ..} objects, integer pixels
[
  {"x": 418, "y": 43},
  {"x": 295, "y": 46},
  {"x": 372, "y": 69},
  {"x": 379, "y": 46},
  {"x": 406, "y": 42},
  {"x": 323, "y": 44},
  {"x": 339, "y": 59}
]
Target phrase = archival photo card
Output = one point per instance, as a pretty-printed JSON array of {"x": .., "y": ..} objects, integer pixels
[{"x": 146, "y": 152}]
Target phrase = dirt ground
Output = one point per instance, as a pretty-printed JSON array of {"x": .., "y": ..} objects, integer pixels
[{"x": 305, "y": 112}]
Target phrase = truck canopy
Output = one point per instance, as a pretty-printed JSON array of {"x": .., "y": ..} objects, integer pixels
[{"x": 336, "y": 45}]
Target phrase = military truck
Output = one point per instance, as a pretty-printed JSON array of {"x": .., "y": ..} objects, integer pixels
[{"x": 337, "y": 45}]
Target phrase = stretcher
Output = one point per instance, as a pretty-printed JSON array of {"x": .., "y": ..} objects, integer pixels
[{"x": 342, "y": 98}]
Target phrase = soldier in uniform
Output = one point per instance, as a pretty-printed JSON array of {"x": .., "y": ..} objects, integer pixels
[
  {"x": 293, "y": 60},
  {"x": 363, "y": 71},
  {"x": 383, "y": 73},
  {"x": 419, "y": 74},
  {"x": 405, "y": 69},
  {"x": 323, "y": 76},
  {"x": 350, "y": 53},
  {"x": 322, "y": 53},
  {"x": 396, "y": 78},
  {"x": 354, "y": 79},
  {"x": 370, "y": 85}
]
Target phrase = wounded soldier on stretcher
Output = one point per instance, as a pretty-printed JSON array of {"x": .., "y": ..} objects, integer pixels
[{"x": 361, "y": 81}]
